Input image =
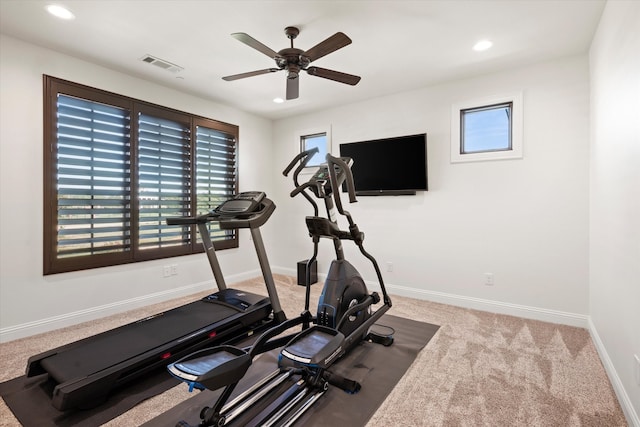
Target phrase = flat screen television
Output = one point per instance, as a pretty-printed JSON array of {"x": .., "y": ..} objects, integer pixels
[{"x": 389, "y": 166}]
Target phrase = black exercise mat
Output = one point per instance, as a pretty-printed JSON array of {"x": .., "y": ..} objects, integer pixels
[
  {"x": 375, "y": 367},
  {"x": 29, "y": 400}
]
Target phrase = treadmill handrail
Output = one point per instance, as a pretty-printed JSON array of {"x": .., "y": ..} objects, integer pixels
[
  {"x": 245, "y": 220},
  {"x": 187, "y": 220}
]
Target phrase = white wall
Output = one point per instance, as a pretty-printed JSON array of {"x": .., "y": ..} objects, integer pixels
[
  {"x": 559, "y": 229},
  {"x": 614, "y": 292},
  {"x": 525, "y": 221},
  {"x": 30, "y": 302}
]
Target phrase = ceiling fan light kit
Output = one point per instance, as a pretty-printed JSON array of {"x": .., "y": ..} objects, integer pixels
[{"x": 294, "y": 60}]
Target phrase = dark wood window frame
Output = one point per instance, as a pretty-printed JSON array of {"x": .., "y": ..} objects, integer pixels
[{"x": 193, "y": 169}]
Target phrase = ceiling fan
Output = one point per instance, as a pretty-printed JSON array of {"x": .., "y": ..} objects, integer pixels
[{"x": 293, "y": 60}]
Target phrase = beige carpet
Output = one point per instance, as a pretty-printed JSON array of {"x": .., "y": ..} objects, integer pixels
[{"x": 480, "y": 369}]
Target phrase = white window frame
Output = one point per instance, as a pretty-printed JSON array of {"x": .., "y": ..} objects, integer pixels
[{"x": 515, "y": 152}]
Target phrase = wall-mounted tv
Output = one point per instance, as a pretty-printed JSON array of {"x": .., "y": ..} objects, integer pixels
[{"x": 389, "y": 166}]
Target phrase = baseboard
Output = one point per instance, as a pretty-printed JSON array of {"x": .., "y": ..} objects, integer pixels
[
  {"x": 69, "y": 319},
  {"x": 625, "y": 401},
  {"x": 527, "y": 312}
]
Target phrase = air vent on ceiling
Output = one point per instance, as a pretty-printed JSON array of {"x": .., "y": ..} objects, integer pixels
[{"x": 161, "y": 63}]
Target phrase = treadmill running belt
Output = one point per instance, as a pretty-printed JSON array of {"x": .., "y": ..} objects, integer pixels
[{"x": 117, "y": 345}]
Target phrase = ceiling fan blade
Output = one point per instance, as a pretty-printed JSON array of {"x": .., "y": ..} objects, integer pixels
[
  {"x": 251, "y": 42},
  {"x": 250, "y": 74},
  {"x": 337, "y": 76},
  {"x": 293, "y": 87},
  {"x": 333, "y": 43}
]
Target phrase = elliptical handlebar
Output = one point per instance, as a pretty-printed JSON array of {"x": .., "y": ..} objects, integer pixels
[
  {"x": 308, "y": 154},
  {"x": 301, "y": 188},
  {"x": 304, "y": 158},
  {"x": 331, "y": 163}
]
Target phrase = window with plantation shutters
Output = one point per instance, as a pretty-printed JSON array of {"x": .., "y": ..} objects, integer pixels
[
  {"x": 93, "y": 169},
  {"x": 215, "y": 173},
  {"x": 164, "y": 180},
  {"x": 115, "y": 168}
]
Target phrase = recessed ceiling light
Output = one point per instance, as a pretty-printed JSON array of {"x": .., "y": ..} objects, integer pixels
[
  {"x": 278, "y": 100},
  {"x": 482, "y": 45},
  {"x": 60, "y": 11}
]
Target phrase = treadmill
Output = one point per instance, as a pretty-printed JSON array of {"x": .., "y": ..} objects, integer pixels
[{"x": 85, "y": 372}]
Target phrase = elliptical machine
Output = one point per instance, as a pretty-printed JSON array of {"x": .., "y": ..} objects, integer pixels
[
  {"x": 344, "y": 319},
  {"x": 344, "y": 303}
]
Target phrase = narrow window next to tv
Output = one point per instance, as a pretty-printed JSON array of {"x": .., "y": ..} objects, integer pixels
[{"x": 389, "y": 166}]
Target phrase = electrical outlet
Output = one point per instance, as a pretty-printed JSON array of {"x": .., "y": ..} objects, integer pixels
[
  {"x": 174, "y": 269},
  {"x": 389, "y": 266},
  {"x": 488, "y": 279},
  {"x": 635, "y": 356},
  {"x": 166, "y": 271}
]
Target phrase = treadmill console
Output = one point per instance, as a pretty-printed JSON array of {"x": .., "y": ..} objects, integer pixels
[
  {"x": 245, "y": 202},
  {"x": 236, "y": 299},
  {"x": 250, "y": 209}
]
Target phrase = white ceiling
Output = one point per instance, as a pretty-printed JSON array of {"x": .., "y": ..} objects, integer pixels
[{"x": 397, "y": 45}]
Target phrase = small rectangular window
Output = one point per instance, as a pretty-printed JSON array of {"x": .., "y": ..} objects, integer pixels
[
  {"x": 316, "y": 140},
  {"x": 487, "y": 129}
]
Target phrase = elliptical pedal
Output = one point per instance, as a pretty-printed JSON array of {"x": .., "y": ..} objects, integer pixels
[
  {"x": 212, "y": 368},
  {"x": 316, "y": 347}
]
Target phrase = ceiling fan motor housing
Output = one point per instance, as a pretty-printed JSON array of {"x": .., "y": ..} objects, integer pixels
[{"x": 293, "y": 60}]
